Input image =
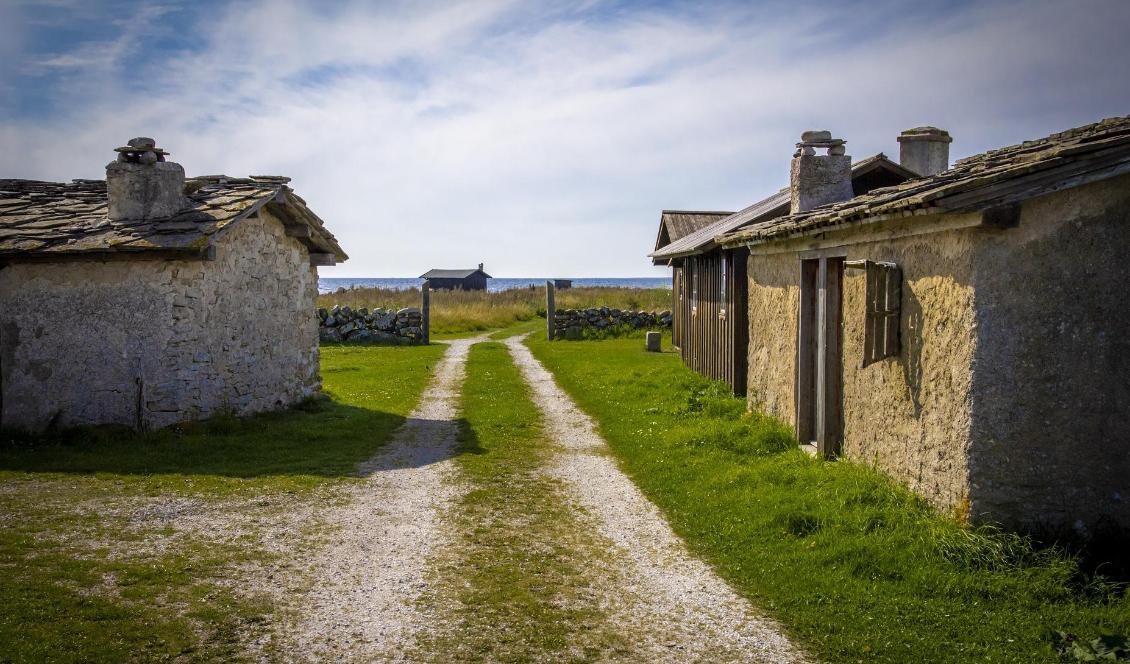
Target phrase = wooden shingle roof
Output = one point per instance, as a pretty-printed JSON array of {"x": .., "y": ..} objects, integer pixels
[
  {"x": 452, "y": 274},
  {"x": 703, "y": 239},
  {"x": 677, "y": 224},
  {"x": 989, "y": 181},
  {"x": 56, "y": 220}
]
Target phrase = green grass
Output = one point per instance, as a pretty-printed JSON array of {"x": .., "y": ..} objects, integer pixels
[
  {"x": 856, "y": 567},
  {"x": 80, "y": 579},
  {"x": 520, "y": 589},
  {"x": 460, "y": 313}
]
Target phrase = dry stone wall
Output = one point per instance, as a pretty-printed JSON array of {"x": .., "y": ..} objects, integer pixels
[
  {"x": 573, "y": 323},
  {"x": 377, "y": 326},
  {"x": 148, "y": 343}
]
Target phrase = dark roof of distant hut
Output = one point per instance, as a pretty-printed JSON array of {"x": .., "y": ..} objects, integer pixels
[
  {"x": 453, "y": 274},
  {"x": 677, "y": 224},
  {"x": 703, "y": 239},
  {"x": 990, "y": 181},
  {"x": 57, "y": 220}
]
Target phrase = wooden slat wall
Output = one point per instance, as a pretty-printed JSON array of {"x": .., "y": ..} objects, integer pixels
[{"x": 712, "y": 344}]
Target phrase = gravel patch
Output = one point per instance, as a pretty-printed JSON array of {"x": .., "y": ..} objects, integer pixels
[
  {"x": 366, "y": 578},
  {"x": 680, "y": 608}
]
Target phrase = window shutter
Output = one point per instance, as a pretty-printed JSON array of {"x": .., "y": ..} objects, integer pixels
[{"x": 884, "y": 296}]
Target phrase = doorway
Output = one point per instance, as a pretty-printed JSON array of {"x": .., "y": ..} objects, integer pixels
[{"x": 819, "y": 380}]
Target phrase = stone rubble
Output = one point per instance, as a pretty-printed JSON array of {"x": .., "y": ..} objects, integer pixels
[
  {"x": 571, "y": 323},
  {"x": 377, "y": 326}
]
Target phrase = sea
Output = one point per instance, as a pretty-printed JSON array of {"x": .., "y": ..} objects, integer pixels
[{"x": 331, "y": 284}]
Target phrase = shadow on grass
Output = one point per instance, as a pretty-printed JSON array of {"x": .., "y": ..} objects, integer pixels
[
  {"x": 319, "y": 437},
  {"x": 422, "y": 442}
]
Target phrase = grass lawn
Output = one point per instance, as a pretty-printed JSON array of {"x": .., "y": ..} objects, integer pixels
[
  {"x": 95, "y": 559},
  {"x": 858, "y": 568}
]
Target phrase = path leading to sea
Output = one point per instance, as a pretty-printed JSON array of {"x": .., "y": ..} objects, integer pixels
[{"x": 407, "y": 549}]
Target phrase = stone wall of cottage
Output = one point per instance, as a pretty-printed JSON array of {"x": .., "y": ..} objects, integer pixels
[
  {"x": 1051, "y": 389},
  {"x": 909, "y": 415},
  {"x": 153, "y": 342}
]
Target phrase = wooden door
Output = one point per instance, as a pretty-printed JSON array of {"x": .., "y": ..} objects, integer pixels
[{"x": 819, "y": 380}]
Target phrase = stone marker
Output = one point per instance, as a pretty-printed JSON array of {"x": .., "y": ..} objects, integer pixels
[{"x": 653, "y": 339}]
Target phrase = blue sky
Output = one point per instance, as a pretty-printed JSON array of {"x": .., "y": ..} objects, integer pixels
[{"x": 538, "y": 137}]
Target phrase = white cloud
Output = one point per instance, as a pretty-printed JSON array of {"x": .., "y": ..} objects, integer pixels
[{"x": 545, "y": 141}]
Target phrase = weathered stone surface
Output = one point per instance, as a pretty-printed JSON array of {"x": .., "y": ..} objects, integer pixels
[
  {"x": 816, "y": 136},
  {"x": 153, "y": 190},
  {"x": 652, "y": 342},
  {"x": 184, "y": 338},
  {"x": 819, "y": 180}
]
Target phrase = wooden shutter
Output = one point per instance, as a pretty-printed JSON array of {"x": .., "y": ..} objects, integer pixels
[{"x": 884, "y": 296}]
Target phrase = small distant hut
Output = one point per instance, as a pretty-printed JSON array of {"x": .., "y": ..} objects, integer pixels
[
  {"x": 562, "y": 283},
  {"x": 473, "y": 279}
]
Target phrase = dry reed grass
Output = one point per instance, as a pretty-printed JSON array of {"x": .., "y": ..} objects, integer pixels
[{"x": 456, "y": 312}]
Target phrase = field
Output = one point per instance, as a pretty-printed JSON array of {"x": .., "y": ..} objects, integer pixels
[
  {"x": 857, "y": 567},
  {"x": 460, "y": 312}
]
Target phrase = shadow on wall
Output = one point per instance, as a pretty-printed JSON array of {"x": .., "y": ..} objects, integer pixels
[
  {"x": 318, "y": 437},
  {"x": 912, "y": 348}
]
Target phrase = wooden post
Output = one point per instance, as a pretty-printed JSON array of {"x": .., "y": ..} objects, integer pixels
[
  {"x": 550, "y": 312},
  {"x": 426, "y": 309}
]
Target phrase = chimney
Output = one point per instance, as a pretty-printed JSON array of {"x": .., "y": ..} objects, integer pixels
[
  {"x": 140, "y": 184},
  {"x": 925, "y": 150},
  {"x": 480, "y": 266},
  {"x": 819, "y": 179}
]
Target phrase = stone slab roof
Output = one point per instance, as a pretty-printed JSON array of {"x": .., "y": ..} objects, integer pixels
[
  {"x": 57, "y": 220},
  {"x": 452, "y": 274},
  {"x": 989, "y": 181},
  {"x": 677, "y": 224},
  {"x": 703, "y": 239}
]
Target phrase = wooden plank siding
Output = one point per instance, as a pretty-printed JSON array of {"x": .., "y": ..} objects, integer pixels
[{"x": 710, "y": 325}]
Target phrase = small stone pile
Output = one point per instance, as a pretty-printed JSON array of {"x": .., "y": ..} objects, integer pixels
[
  {"x": 571, "y": 323},
  {"x": 377, "y": 326}
]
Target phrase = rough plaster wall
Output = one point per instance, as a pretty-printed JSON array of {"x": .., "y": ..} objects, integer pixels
[
  {"x": 1052, "y": 379},
  {"x": 235, "y": 333},
  {"x": 910, "y": 414}
]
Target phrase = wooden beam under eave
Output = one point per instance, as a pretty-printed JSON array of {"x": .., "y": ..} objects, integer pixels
[
  {"x": 297, "y": 230},
  {"x": 323, "y": 260}
]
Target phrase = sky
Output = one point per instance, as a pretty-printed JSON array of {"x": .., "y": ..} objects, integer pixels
[{"x": 540, "y": 138}]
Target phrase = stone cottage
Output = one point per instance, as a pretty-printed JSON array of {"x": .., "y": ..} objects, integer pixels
[
  {"x": 966, "y": 332},
  {"x": 147, "y": 299},
  {"x": 708, "y": 283}
]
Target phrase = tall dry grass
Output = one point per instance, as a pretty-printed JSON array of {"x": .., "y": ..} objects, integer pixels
[{"x": 456, "y": 312}]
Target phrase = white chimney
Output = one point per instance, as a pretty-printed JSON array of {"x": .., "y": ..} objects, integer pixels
[
  {"x": 140, "y": 184},
  {"x": 819, "y": 179},
  {"x": 925, "y": 150}
]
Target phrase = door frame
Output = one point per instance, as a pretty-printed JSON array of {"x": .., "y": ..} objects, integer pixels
[{"x": 819, "y": 365}]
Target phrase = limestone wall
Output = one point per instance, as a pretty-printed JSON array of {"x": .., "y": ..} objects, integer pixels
[
  {"x": 909, "y": 415},
  {"x": 1051, "y": 393},
  {"x": 151, "y": 343}
]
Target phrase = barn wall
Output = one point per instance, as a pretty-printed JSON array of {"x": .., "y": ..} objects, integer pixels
[
  {"x": 712, "y": 326},
  {"x": 156, "y": 342},
  {"x": 1051, "y": 392},
  {"x": 909, "y": 415}
]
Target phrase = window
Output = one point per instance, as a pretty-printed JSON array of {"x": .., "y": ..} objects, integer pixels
[
  {"x": 884, "y": 295},
  {"x": 722, "y": 290}
]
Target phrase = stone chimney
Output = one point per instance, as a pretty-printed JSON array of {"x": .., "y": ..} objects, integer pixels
[
  {"x": 819, "y": 179},
  {"x": 140, "y": 184},
  {"x": 480, "y": 266},
  {"x": 925, "y": 150}
]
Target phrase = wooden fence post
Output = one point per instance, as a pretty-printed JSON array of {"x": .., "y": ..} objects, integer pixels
[
  {"x": 550, "y": 312},
  {"x": 426, "y": 309}
]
